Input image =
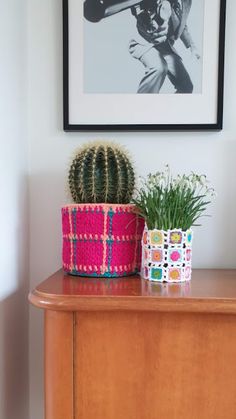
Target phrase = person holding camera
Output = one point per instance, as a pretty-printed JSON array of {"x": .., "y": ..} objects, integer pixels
[{"x": 159, "y": 24}]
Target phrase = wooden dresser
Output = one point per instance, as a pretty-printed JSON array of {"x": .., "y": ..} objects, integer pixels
[{"x": 132, "y": 349}]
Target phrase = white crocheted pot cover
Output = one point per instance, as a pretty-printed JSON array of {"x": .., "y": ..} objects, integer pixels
[{"x": 167, "y": 255}]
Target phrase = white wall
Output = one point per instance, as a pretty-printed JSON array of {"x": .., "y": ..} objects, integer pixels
[
  {"x": 13, "y": 212},
  {"x": 50, "y": 149}
]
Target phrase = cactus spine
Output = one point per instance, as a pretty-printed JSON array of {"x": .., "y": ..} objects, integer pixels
[{"x": 101, "y": 173}]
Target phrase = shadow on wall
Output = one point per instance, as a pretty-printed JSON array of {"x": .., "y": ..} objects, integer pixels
[
  {"x": 14, "y": 312},
  {"x": 48, "y": 194},
  {"x": 14, "y": 356}
]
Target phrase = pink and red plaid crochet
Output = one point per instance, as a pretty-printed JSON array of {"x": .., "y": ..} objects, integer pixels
[{"x": 101, "y": 240}]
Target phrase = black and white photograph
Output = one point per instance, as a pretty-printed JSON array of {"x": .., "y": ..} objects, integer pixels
[
  {"x": 143, "y": 64},
  {"x": 156, "y": 44}
]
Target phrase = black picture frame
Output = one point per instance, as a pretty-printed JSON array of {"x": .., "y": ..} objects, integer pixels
[{"x": 73, "y": 127}]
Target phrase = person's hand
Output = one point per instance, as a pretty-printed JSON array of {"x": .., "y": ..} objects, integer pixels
[
  {"x": 160, "y": 35},
  {"x": 165, "y": 10},
  {"x": 194, "y": 52},
  {"x": 157, "y": 36}
]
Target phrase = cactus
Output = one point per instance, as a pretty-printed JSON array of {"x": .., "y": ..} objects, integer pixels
[{"x": 101, "y": 173}]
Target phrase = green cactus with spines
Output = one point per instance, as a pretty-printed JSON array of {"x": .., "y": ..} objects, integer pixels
[{"x": 101, "y": 173}]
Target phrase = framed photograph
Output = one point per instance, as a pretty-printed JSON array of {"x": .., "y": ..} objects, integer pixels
[{"x": 143, "y": 64}]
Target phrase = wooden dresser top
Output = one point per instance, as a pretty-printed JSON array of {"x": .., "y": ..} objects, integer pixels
[{"x": 210, "y": 290}]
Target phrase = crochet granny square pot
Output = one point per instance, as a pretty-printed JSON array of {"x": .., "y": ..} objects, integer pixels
[
  {"x": 101, "y": 240},
  {"x": 167, "y": 255}
]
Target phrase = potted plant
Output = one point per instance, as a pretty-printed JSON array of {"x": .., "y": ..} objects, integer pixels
[
  {"x": 171, "y": 207},
  {"x": 101, "y": 231}
]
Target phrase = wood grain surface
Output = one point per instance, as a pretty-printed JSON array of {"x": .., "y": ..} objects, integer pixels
[
  {"x": 59, "y": 357},
  {"x": 155, "y": 366}
]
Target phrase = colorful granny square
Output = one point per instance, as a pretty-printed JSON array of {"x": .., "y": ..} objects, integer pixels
[
  {"x": 157, "y": 255},
  {"x": 167, "y": 255},
  {"x": 156, "y": 274},
  {"x": 156, "y": 237},
  {"x": 175, "y": 255},
  {"x": 174, "y": 274},
  {"x": 189, "y": 237},
  {"x": 175, "y": 237}
]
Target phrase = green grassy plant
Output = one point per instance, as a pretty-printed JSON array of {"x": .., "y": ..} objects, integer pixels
[{"x": 168, "y": 203}]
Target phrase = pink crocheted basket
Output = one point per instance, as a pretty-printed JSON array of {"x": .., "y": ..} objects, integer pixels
[{"x": 101, "y": 240}]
